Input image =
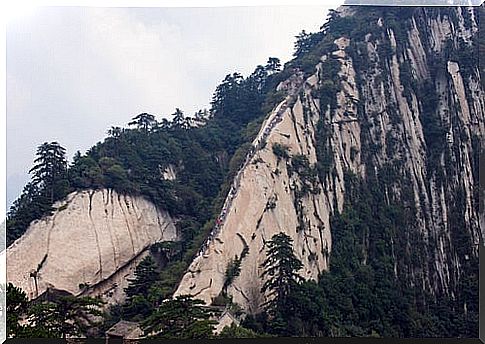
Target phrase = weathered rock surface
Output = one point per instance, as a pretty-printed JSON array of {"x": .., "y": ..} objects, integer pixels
[
  {"x": 379, "y": 126},
  {"x": 268, "y": 198},
  {"x": 93, "y": 238}
]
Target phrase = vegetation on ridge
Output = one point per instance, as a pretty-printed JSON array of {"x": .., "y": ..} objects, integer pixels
[{"x": 375, "y": 286}]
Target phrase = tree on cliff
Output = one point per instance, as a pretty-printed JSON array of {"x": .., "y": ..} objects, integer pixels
[
  {"x": 180, "y": 318},
  {"x": 145, "y": 274},
  {"x": 281, "y": 273},
  {"x": 115, "y": 132},
  {"x": 143, "y": 121},
  {"x": 179, "y": 120},
  {"x": 273, "y": 65},
  {"x": 303, "y": 44},
  {"x": 49, "y": 183},
  {"x": 29, "y": 206},
  {"x": 50, "y": 170},
  {"x": 295, "y": 307},
  {"x": 139, "y": 287}
]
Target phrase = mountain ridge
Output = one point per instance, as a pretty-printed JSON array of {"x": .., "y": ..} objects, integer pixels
[{"x": 364, "y": 149}]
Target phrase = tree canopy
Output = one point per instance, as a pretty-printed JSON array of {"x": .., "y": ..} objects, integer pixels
[
  {"x": 180, "y": 318},
  {"x": 63, "y": 316}
]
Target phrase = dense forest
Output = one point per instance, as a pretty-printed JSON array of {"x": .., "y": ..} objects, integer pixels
[{"x": 360, "y": 295}]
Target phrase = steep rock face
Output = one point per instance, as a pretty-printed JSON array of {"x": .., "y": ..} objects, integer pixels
[
  {"x": 425, "y": 120},
  {"x": 406, "y": 117},
  {"x": 273, "y": 194},
  {"x": 89, "y": 246}
]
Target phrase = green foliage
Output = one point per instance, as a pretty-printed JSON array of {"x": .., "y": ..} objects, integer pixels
[
  {"x": 58, "y": 318},
  {"x": 467, "y": 55},
  {"x": 50, "y": 170},
  {"x": 280, "y": 271},
  {"x": 433, "y": 130},
  {"x": 31, "y": 205},
  {"x": 327, "y": 92},
  {"x": 145, "y": 274},
  {"x": 116, "y": 178},
  {"x": 281, "y": 151},
  {"x": 308, "y": 175},
  {"x": 49, "y": 183},
  {"x": 85, "y": 173},
  {"x": 298, "y": 308},
  {"x": 66, "y": 316},
  {"x": 367, "y": 291},
  {"x": 325, "y": 161},
  {"x": 142, "y": 295},
  {"x": 240, "y": 99},
  {"x": 408, "y": 80},
  {"x": 304, "y": 43},
  {"x": 232, "y": 271},
  {"x": 234, "y": 267},
  {"x": 235, "y": 331},
  {"x": 143, "y": 122},
  {"x": 180, "y": 318},
  {"x": 17, "y": 306}
]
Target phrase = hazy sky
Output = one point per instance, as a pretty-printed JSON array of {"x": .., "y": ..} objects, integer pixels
[{"x": 72, "y": 72}]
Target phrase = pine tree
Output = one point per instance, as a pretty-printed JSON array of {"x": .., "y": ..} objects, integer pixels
[
  {"x": 49, "y": 319},
  {"x": 142, "y": 294},
  {"x": 281, "y": 270},
  {"x": 50, "y": 170},
  {"x": 65, "y": 316},
  {"x": 29, "y": 206},
  {"x": 17, "y": 305},
  {"x": 202, "y": 116},
  {"x": 145, "y": 274},
  {"x": 115, "y": 132},
  {"x": 273, "y": 65},
  {"x": 179, "y": 120},
  {"x": 180, "y": 318},
  {"x": 303, "y": 43},
  {"x": 143, "y": 121}
]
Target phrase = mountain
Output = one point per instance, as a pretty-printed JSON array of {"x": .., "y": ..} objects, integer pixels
[
  {"x": 364, "y": 149},
  {"x": 92, "y": 239}
]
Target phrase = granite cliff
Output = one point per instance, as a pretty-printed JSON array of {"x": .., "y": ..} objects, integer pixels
[{"x": 89, "y": 246}]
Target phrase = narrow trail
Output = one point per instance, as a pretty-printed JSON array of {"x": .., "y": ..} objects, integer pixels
[{"x": 257, "y": 144}]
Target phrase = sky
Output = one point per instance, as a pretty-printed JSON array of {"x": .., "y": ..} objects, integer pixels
[{"x": 73, "y": 72}]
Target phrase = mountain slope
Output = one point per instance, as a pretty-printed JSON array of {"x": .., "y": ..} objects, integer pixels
[
  {"x": 394, "y": 107},
  {"x": 364, "y": 149}
]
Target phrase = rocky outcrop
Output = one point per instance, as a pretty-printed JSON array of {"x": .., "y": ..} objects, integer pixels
[
  {"x": 425, "y": 122},
  {"x": 169, "y": 173},
  {"x": 271, "y": 194},
  {"x": 383, "y": 130},
  {"x": 89, "y": 246}
]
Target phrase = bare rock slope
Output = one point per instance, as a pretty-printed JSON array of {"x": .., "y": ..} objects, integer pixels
[
  {"x": 269, "y": 196},
  {"x": 89, "y": 246}
]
